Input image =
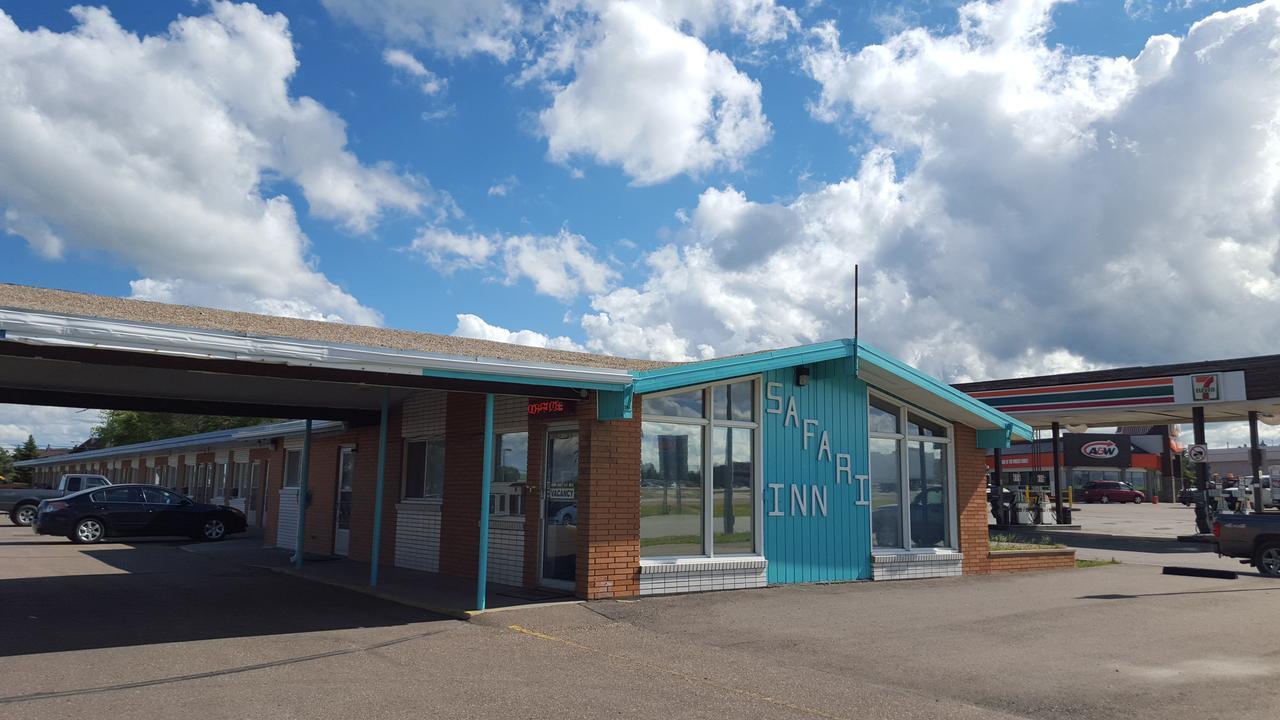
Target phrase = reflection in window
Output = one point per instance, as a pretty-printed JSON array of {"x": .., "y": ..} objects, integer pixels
[
  {"x": 886, "y": 493},
  {"x": 917, "y": 425},
  {"x": 686, "y": 404},
  {"x": 927, "y": 486},
  {"x": 734, "y": 402},
  {"x": 424, "y": 469},
  {"x": 732, "y": 475},
  {"x": 882, "y": 417},
  {"x": 670, "y": 489}
]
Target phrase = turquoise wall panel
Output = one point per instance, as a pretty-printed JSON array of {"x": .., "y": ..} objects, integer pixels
[{"x": 801, "y": 541}]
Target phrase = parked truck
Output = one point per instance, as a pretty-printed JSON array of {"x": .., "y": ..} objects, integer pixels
[
  {"x": 1254, "y": 537},
  {"x": 21, "y": 504}
]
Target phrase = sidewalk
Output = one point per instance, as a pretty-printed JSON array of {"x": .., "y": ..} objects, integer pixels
[{"x": 447, "y": 595}]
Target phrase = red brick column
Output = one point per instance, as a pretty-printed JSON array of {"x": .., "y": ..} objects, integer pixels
[
  {"x": 533, "y": 502},
  {"x": 365, "y": 490},
  {"x": 971, "y": 500},
  {"x": 608, "y": 505},
  {"x": 463, "y": 466}
]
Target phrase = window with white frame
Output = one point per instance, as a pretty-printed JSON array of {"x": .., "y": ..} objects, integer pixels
[
  {"x": 683, "y": 433},
  {"x": 292, "y": 468},
  {"x": 511, "y": 455},
  {"x": 423, "y": 469},
  {"x": 910, "y": 469}
]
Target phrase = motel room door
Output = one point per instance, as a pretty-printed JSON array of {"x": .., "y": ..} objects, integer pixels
[{"x": 560, "y": 509}]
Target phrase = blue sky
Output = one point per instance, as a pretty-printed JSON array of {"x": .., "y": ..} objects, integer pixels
[{"x": 977, "y": 159}]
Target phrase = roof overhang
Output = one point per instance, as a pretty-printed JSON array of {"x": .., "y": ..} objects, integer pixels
[
  {"x": 996, "y": 429},
  {"x": 873, "y": 366},
  {"x": 60, "y": 360}
]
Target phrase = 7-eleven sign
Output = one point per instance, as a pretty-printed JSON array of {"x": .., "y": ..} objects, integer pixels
[{"x": 1205, "y": 387}]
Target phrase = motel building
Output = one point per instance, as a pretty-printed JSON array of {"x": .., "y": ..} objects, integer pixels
[{"x": 593, "y": 475}]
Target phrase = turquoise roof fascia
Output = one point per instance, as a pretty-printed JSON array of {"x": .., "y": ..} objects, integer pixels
[
  {"x": 697, "y": 373},
  {"x": 869, "y": 354},
  {"x": 524, "y": 380}
]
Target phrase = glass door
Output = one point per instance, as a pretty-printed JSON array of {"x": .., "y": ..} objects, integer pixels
[
  {"x": 560, "y": 509},
  {"x": 342, "y": 511}
]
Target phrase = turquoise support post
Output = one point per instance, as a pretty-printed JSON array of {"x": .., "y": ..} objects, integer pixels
[
  {"x": 486, "y": 480},
  {"x": 304, "y": 473},
  {"x": 377, "y": 493}
]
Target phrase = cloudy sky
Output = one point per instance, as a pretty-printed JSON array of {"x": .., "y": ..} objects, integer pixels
[{"x": 1028, "y": 185}]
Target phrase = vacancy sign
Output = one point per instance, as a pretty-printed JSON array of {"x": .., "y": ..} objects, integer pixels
[{"x": 1206, "y": 388}]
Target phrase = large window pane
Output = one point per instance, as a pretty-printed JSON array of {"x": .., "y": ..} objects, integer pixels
[
  {"x": 927, "y": 483},
  {"x": 685, "y": 404},
  {"x": 513, "y": 457},
  {"x": 734, "y": 402},
  {"x": 670, "y": 490},
  {"x": 415, "y": 469},
  {"x": 882, "y": 417},
  {"x": 423, "y": 469},
  {"x": 732, "y": 473},
  {"x": 917, "y": 425},
  {"x": 292, "y": 468},
  {"x": 886, "y": 494}
]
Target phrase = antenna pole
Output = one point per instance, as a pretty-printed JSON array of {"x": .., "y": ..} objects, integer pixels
[{"x": 855, "y": 302}]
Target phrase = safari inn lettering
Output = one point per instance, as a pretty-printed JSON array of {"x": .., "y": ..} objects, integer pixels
[{"x": 809, "y": 500}]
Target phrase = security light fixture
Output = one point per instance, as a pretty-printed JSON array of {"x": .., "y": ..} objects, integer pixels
[{"x": 802, "y": 375}]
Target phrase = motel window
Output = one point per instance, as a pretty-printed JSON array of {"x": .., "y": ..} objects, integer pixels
[
  {"x": 910, "y": 468},
  {"x": 512, "y": 459},
  {"x": 292, "y": 468},
  {"x": 424, "y": 469},
  {"x": 683, "y": 510}
]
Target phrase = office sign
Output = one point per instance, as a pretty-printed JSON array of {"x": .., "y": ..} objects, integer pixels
[{"x": 1096, "y": 450}]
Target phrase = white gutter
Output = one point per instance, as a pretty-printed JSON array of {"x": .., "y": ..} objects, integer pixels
[{"x": 48, "y": 329}]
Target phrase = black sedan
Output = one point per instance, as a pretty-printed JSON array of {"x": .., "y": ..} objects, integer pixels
[{"x": 131, "y": 511}]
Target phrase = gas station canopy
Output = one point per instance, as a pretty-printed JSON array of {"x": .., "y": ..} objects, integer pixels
[{"x": 1227, "y": 390}]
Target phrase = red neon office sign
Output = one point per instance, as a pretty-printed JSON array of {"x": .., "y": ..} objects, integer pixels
[{"x": 550, "y": 408}]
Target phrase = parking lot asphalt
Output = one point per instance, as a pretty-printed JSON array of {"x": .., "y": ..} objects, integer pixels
[
  {"x": 1137, "y": 534},
  {"x": 146, "y": 630}
]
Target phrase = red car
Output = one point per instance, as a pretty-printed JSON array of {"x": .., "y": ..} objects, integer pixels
[{"x": 1112, "y": 491}]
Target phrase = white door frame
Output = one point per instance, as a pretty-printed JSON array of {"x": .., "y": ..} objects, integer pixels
[
  {"x": 542, "y": 502},
  {"x": 342, "y": 538}
]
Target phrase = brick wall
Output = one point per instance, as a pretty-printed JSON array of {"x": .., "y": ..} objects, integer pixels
[
  {"x": 463, "y": 465},
  {"x": 1026, "y": 560},
  {"x": 533, "y": 501},
  {"x": 971, "y": 499},
  {"x": 973, "y": 511},
  {"x": 608, "y": 505}
]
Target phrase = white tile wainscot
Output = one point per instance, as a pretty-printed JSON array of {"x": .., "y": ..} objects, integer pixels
[
  {"x": 697, "y": 575},
  {"x": 915, "y": 566},
  {"x": 287, "y": 519},
  {"x": 418, "y": 536},
  {"x": 506, "y": 550}
]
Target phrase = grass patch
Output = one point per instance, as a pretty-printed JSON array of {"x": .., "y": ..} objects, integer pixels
[
  {"x": 693, "y": 539},
  {"x": 1095, "y": 563},
  {"x": 1004, "y": 541}
]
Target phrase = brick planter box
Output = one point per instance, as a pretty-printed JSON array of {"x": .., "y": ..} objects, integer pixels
[{"x": 1009, "y": 561}]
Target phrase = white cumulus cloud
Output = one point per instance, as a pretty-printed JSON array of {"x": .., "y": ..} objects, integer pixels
[
  {"x": 155, "y": 149},
  {"x": 1023, "y": 208},
  {"x": 428, "y": 82},
  {"x": 647, "y": 97},
  {"x": 562, "y": 266},
  {"x": 457, "y": 28},
  {"x": 473, "y": 326}
]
